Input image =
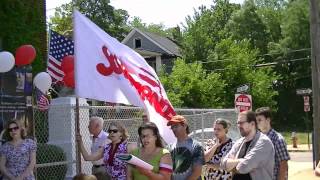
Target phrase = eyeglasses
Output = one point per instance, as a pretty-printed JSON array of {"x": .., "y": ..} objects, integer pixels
[
  {"x": 146, "y": 136},
  {"x": 112, "y": 131},
  {"x": 13, "y": 129}
]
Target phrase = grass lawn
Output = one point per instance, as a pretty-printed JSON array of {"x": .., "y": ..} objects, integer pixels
[{"x": 302, "y": 137}]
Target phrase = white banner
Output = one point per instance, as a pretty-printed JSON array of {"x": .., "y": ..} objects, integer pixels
[{"x": 108, "y": 70}]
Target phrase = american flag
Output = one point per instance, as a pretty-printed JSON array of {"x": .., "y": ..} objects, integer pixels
[
  {"x": 59, "y": 47},
  {"x": 42, "y": 100}
]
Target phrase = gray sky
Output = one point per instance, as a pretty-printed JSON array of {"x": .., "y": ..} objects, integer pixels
[{"x": 168, "y": 12}]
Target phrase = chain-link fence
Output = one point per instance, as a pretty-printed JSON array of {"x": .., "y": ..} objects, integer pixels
[{"x": 55, "y": 133}]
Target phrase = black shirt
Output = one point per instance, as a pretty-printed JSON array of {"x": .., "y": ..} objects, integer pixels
[{"x": 243, "y": 176}]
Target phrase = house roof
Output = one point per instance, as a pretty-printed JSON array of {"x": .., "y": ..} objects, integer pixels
[{"x": 163, "y": 42}]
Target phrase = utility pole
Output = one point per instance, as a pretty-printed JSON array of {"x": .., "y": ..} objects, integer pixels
[{"x": 315, "y": 63}]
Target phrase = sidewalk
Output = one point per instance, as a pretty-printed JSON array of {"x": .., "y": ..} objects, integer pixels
[
  {"x": 304, "y": 175},
  {"x": 297, "y": 169},
  {"x": 301, "y": 165}
]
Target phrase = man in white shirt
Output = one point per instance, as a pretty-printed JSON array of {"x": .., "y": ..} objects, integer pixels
[{"x": 99, "y": 140}]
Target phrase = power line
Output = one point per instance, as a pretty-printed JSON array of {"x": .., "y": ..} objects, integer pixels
[
  {"x": 262, "y": 55},
  {"x": 261, "y": 65},
  {"x": 257, "y": 65},
  {"x": 284, "y": 61}
]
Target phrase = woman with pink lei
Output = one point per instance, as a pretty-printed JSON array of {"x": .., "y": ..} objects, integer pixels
[{"x": 116, "y": 168}]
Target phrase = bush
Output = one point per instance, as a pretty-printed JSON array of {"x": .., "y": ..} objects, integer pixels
[{"x": 47, "y": 153}]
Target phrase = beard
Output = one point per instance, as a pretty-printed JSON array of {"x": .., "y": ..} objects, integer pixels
[{"x": 243, "y": 133}]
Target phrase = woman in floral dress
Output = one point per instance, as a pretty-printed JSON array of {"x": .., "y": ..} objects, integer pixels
[
  {"x": 18, "y": 155},
  {"x": 116, "y": 168},
  {"x": 216, "y": 149}
]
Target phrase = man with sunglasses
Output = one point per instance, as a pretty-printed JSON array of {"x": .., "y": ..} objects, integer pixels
[
  {"x": 252, "y": 156},
  {"x": 99, "y": 140},
  {"x": 187, "y": 154}
]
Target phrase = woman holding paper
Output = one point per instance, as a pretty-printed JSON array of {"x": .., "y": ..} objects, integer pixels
[
  {"x": 152, "y": 152},
  {"x": 116, "y": 168}
]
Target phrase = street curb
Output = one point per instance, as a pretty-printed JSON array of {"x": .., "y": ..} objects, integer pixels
[{"x": 298, "y": 150}]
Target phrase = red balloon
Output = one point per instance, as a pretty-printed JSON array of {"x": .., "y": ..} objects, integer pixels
[
  {"x": 25, "y": 55},
  {"x": 68, "y": 79},
  {"x": 67, "y": 64}
]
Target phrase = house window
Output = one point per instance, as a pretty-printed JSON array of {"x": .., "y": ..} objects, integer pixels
[{"x": 137, "y": 43}]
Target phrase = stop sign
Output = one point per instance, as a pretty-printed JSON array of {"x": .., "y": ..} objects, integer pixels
[{"x": 243, "y": 102}]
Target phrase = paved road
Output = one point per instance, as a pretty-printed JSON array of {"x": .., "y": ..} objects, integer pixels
[{"x": 301, "y": 156}]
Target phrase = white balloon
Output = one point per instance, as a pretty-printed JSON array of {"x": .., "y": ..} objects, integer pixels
[
  {"x": 42, "y": 81},
  {"x": 6, "y": 61}
]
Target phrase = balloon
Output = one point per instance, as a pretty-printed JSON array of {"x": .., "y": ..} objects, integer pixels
[
  {"x": 67, "y": 64},
  {"x": 42, "y": 81},
  {"x": 25, "y": 55},
  {"x": 68, "y": 79},
  {"x": 6, "y": 61}
]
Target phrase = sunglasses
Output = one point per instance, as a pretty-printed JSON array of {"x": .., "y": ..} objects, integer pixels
[
  {"x": 174, "y": 126},
  {"x": 13, "y": 129},
  {"x": 242, "y": 122},
  {"x": 112, "y": 131}
]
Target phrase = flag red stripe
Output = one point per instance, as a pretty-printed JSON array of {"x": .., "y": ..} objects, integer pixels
[
  {"x": 54, "y": 64},
  {"x": 55, "y": 72}
]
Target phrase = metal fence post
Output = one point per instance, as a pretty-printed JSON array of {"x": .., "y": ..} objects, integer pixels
[{"x": 202, "y": 127}]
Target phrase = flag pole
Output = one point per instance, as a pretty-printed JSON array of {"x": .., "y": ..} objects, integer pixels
[
  {"x": 77, "y": 130},
  {"x": 77, "y": 124}
]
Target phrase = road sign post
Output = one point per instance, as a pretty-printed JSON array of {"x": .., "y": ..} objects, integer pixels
[{"x": 306, "y": 106}]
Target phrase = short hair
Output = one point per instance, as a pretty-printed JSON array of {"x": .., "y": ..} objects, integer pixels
[
  {"x": 121, "y": 128},
  {"x": 224, "y": 122},
  {"x": 21, "y": 128},
  {"x": 264, "y": 111},
  {"x": 98, "y": 119},
  {"x": 152, "y": 126},
  {"x": 250, "y": 116}
]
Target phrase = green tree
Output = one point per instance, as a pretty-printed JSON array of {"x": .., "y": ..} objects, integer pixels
[
  {"x": 292, "y": 54},
  {"x": 23, "y": 22},
  {"x": 205, "y": 29},
  {"x": 190, "y": 86},
  {"x": 173, "y": 33},
  {"x": 238, "y": 67},
  {"x": 247, "y": 24},
  {"x": 159, "y": 29},
  {"x": 111, "y": 20}
]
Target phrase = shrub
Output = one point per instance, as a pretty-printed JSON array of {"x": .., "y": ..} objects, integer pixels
[{"x": 47, "y": 153}]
